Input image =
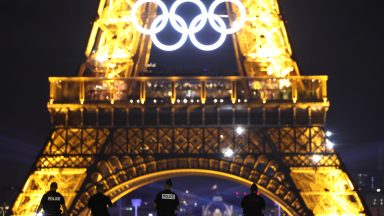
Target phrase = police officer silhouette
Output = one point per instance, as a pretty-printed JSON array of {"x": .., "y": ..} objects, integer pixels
[
  {"x": 253, "y": 204},
  {"x": 99, "y": 203},
  {"x": 51, "y": 202},
  {"x": 166, "y": 202}
]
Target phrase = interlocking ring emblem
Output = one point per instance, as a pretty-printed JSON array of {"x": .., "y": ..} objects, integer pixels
[{"x": 196, "y": 25}]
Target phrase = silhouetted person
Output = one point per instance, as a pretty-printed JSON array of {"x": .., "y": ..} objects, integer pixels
[
  {"x": 166, "y": 202},
  {"x": 52, "y": 201},
  {"x": 253, "y": 204},
  {"x": 99, "y": 203}
]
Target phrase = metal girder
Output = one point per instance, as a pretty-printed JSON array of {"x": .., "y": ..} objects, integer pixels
[
  {"x": 77, "y": 146},
  {"x": 68, "y": 179},
  {"x": 115, "y": 48},
  {"x": 327, "y": 190},
  {"x": 263, "y": 41}
]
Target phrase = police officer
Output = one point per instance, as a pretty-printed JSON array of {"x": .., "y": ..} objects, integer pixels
[
  {"x": 253, "y": 204},
  {"x": 52, "y": 201},
  {"x": 166, "y": 202},
  {"x": 99, "y": 203}
]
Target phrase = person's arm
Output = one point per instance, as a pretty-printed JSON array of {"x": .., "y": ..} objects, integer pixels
[
  {"x": 262, "y": 203},
  {"x": 62, "y": 203},
  {"x": 65, "y": 210},
  {"x": 242, "y": 202},
  {"x": 38, "y": 209},
  {"x": 109, "y": 202},
  {"x": 177, "y": 203},
  {"x": 156, "y": 201}
]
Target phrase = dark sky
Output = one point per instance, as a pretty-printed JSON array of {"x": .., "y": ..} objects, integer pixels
[{"x": 341, "y": 39}]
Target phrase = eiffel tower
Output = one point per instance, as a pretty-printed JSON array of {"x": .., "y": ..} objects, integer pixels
[{"x": 116, "y": 127}]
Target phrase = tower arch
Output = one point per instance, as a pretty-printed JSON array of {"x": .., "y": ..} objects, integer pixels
[{"x": 117, "y": 185}]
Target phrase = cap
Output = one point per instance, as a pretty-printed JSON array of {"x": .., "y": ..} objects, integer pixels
[
  {"x": 169, "y": 182},
  {"x": 254, "y": 187}
]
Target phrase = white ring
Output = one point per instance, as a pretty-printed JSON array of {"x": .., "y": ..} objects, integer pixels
[
  {"x": 210, "y": 47},
  {"x": 175, "y": 46},
  {"x": 135, "y": 23},
  {"x": 238, "y": 25}
]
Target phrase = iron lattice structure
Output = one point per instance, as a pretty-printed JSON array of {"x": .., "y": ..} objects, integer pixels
[{"x": 113, "y": 127}]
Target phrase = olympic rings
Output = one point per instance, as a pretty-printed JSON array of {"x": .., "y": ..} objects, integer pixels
[{"x": 196, "y": 25}]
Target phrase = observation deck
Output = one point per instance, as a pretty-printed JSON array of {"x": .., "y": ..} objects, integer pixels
[{"x": 197, "y": 100}]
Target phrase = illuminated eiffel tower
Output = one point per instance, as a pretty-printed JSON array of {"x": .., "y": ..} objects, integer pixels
[{"x": 115, "y": 127}]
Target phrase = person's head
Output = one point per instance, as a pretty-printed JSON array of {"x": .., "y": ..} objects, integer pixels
[
  {"x": 254, "y": 188},
  {"x": 99, "y": 188},
  {"x": 53, "y": 186},
  {"x": 168, "y": 184}
]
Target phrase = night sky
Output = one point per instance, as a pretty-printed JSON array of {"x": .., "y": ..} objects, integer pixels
[{"x": 341, "y": 39}]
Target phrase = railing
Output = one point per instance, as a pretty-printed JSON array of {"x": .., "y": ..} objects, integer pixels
[{"x": 187, "y": 90}]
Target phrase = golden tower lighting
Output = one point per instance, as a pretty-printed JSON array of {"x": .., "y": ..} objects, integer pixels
[{"x": 112, "y": 126}]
